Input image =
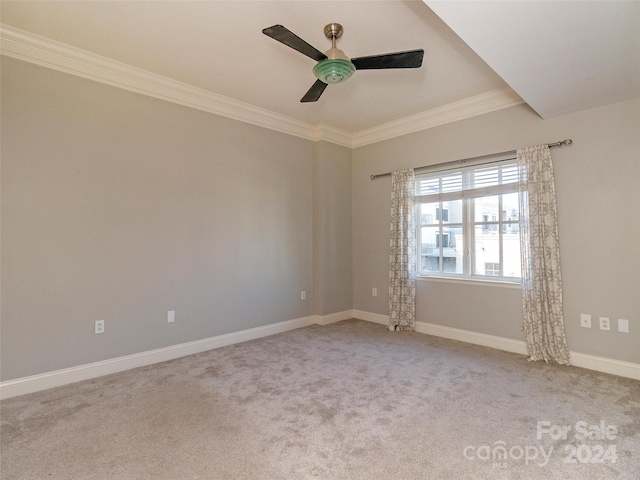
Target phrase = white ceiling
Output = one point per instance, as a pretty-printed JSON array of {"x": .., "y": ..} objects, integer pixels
[
  {"x": 218, "y": 46},
  {"x": 560, "y": 57}
]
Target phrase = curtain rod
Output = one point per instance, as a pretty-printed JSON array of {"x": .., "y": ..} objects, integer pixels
[{"x": 459, "y": 162}]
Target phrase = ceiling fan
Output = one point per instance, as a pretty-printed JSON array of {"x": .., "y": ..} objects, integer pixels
[{"x": 334, "y": 66}]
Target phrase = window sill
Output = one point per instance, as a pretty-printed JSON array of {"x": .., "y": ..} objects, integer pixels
[{"x": 471, "y": 281}]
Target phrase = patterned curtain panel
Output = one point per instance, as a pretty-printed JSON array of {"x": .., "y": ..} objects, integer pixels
[
  {"x": 541, "y": 278},
  {"x": 402, "y": 262}
]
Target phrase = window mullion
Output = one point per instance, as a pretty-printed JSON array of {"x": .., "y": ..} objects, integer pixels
[
  {"x": 467, "y": 217},
  {"x": 441, "y": 239},
  {"x": 500, "y": 237},
  {"x": 467, "y": 239}
]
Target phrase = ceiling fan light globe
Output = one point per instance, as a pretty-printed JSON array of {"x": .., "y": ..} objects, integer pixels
[{"x": 333, "y": 70}]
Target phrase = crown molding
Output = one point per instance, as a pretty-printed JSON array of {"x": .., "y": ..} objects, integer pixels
[
  {"x": 49, "y": 53},
  {"x": 58, "y": 56},
  {"x": 452, "y": 112},
  {"x": 333, "y": 135}
]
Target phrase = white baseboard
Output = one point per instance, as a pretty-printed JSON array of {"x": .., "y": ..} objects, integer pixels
[
  {"x": 500, "y": 343},
  {"x": 333, "y": 317},
  {"x": 606, "y": 365},
  {"x": 35, "y": 383},
  {"x": 371, "y": 317},
  {"x": 582, "y": 360}
]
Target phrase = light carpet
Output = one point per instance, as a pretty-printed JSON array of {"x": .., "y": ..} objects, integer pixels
[{"x": 345, "y": 401}]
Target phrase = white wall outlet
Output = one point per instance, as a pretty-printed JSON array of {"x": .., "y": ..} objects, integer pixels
[
  {"x": 374, "y": 292},
  {"x": 585, "y": 320},
  {"x": 604, "y": 323},
  {"x": 171, "y": 316},
  {"x": 303, "y": 295},
  {"x": 623, "y": 325},
  {"x": 99, "y": 326}
]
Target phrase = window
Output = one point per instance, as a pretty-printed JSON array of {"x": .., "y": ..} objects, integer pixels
[{"x": 468, "y": 222}]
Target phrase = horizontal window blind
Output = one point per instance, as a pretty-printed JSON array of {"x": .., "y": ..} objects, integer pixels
[{"x": 467, "y": 182}]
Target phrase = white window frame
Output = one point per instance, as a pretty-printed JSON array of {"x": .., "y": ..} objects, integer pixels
[{"x": 466, "y": 194}]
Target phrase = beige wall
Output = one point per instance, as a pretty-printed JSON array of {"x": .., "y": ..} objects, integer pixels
[
  {"x": 120, "y": 207},
  {"x": 598, "y": 196}
]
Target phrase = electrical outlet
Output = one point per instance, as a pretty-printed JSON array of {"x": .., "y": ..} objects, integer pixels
[
  {"x": 303, "y": 295},
  {"x": 604, "y": 323},
  {"x": 585, "y": 320},
  {"x": 171, "y": 316},
  {"x": 623, "y": 325},
  {"x": 374, "y": 292},
  {"x": 99, "y": 326}
]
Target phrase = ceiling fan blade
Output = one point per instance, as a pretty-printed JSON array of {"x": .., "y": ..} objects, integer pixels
[
  {"x": 408, "y": 59},
  {"x": 314, "y": 92},
  {"x": 290, "y": 39}
]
